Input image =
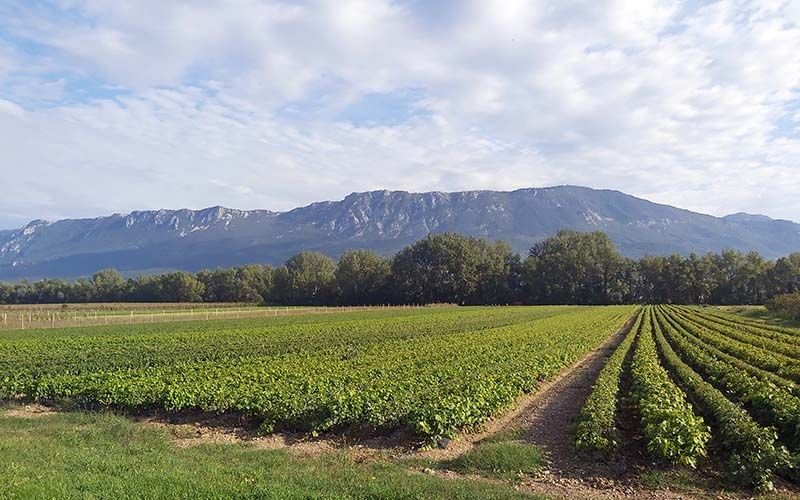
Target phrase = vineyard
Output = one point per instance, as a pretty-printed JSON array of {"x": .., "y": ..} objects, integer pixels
[
  {"x": 704, "y": 388},
  {"x": 436, "y": 371},
  {"x": 705, "y": 382},
  {"x": 35, "y": 316}
]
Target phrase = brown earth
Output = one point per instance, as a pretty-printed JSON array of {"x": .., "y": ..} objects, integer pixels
[{"x": 32, "y": 410}]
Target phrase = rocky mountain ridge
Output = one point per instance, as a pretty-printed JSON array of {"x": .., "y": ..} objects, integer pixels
[{"x": 150, "y": 241}]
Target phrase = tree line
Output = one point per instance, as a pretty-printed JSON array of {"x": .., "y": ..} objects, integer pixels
[{"x": 568, "y": 268}]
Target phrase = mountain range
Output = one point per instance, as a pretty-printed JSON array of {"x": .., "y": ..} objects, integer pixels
[{"x": 385, "y": 221}]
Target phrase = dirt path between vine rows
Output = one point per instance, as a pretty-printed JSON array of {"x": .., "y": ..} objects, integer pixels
[
  {"x": 550, "y": 421},
  {"x": 547, "y": 419},
  {"x": 550, "y": 410}
]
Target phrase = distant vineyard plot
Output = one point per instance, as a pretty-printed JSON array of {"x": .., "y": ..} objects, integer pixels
[{"x": 33, "y": 316}]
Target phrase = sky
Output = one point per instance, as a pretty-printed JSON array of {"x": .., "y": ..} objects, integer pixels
[{"x": 118, "y": 105}]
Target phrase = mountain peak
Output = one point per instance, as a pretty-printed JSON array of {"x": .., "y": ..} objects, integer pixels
[
  {"x": 745, "y": 217},
  {"x": 35, "y": 224},
  {"x": 383, "y": 220}
]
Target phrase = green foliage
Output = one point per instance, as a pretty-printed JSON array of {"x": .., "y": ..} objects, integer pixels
[
  {"x": 765, "y": 401},
  {"x": 180, "y": 287},
  {"x": 251, "y": 283},
  {"x": 740, "y": 278},
  {"x": 168, "y": 287},
  {"x": 758, "y": 329},
  {"x": 787, "y": 305},
  {"x": 31, "y": 355},
  {"x": 451, "y": 268},
  {"x": 441, "y": 370},
  {"x": 772, "y": 342},
  {"x": 726, "y": 341},
  {"x": 773, "y": 378},
  {"x": 596, "y": 421},
  {"x": 790, "y": 469},
  {"x": 306, "y": 278},
  {"x": 673, "y": 432},
  {"x": 574, "y": 267},
  {"x": 109, "y": 284},
  {"x": 437, "y": 373},
  {"x": 753, "y": 453},
  {"x": 568, "y": 268},
  {"x": 362, "y": 277}
]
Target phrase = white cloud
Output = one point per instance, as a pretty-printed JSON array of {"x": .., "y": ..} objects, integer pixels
[
  {"x": 237, "y": 103},
  {"x": 11, "y": 108}
]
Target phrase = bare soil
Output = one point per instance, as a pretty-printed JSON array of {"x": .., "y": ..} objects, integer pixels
[
  {"x": 32, "y": 410},
  {"x": 550, "y": 421},
  {"x": 195, "y": 429}
]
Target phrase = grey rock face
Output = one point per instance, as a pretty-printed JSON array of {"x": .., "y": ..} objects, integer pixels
[{"x": 152, "y": 241}]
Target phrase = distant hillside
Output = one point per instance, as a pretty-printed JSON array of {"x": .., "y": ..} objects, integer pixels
[{"x": 386, "y": 221}]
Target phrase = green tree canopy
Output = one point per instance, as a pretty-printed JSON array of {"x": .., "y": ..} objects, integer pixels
[
  {"x": 362, "y": 277},
  {"x": 180, "y": 287},
  {"x": 109, "y": 285},
  {"x": 452, "y": 268},
  {"x": 307, "y": 278},
  {"x": 575, "y": 267}
]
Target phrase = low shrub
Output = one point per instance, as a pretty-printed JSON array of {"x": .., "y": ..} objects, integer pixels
[{"x": 787, "y": 306}]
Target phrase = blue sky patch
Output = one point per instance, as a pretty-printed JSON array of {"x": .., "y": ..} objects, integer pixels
[{"x": 384, "y": 109}]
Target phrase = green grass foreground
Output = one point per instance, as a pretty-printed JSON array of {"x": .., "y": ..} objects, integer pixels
[
  {"x": 501, "y": 459},
  {"x": 101, "y": 455}
]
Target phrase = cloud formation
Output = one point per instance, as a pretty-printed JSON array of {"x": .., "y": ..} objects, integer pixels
[{"x": 118, "y": 105}]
